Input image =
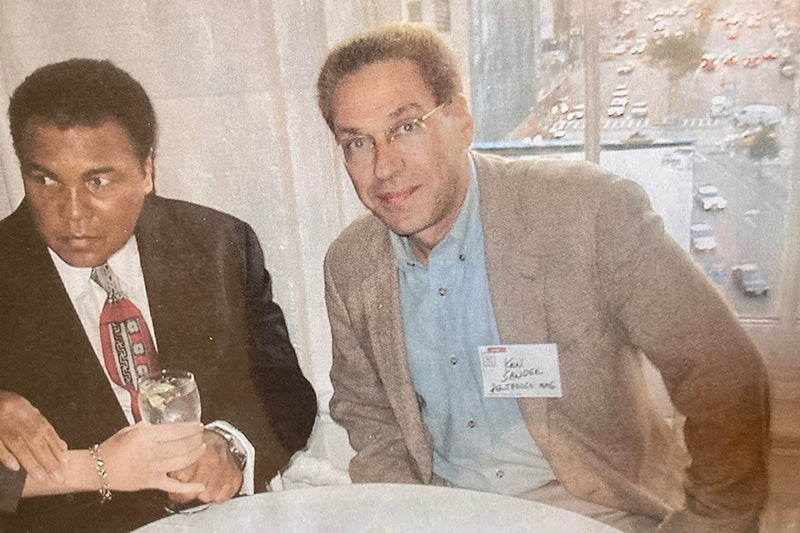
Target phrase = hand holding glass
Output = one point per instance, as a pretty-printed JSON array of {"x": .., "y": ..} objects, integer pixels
[{"x": 171, "y": 396}]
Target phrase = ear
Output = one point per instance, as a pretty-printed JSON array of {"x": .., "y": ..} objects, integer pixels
[
  {"x": 149, "y": 172},
  {"x": 465, "y": 125}
]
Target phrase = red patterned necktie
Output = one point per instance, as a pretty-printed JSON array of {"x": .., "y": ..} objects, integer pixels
[{"x": 128, "y": 349}]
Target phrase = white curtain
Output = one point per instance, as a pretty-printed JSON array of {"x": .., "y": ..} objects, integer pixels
[{"x": 233, "y": 84}]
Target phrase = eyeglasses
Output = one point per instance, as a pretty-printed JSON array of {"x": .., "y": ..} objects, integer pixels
[{"x": 408, "y": 136}]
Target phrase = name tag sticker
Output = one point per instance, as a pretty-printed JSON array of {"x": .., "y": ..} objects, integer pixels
[{"x": 520, "y": 371}]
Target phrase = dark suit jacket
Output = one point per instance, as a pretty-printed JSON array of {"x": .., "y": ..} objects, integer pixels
[
  {"x": 11, "y": 484},
  {"x": 213, "y": 314}
]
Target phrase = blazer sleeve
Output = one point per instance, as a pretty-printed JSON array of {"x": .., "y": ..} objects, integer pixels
[
  {"x": 287, "y": 395},
  {"x": 715, "y": 375},
  {"x": 11, "y": 485},
  {"x": 360, "y": 403}
]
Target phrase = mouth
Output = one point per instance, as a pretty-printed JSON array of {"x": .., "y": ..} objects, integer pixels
[
  {"x": 79, "y": 241},
  {"x": 397, "y": 198}
]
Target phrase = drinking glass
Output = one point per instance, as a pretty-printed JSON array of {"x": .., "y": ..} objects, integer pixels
[{"x": 171, "y": 396}]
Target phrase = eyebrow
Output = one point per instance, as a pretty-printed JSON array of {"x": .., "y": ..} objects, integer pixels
[
  {"x": 397, "y": 113},
  {"x": 31, "y": 166},
  {"x": 88, "y": 174}
]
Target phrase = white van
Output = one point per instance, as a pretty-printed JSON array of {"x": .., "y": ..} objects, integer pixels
[{"x": 720, "y": 106}]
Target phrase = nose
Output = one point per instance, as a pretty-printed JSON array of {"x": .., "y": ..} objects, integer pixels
[
  {"x": 76, "y": 203},
  {"x": 388, "y": 160}
]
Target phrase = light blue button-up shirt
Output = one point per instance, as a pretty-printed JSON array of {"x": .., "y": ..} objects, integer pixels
[{"x": 479, "y": 443}]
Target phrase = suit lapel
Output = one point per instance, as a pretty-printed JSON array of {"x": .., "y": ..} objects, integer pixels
[
  {"x": 381, "y": 293},
  {"x": 171, "y": 305},
  {"x": 515, "y": 262},
  {"x": 188, "y": 289},
  {"x": 515, "y": 259},
  {"x": 55, "y": 366}
]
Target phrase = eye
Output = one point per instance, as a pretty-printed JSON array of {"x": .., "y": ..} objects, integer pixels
[
  {"x": 359, "y": 144},
  {"x": 43, "y": 179},
  {"x": 97, "y": 182},
  {"x": 408, "y": 127}
]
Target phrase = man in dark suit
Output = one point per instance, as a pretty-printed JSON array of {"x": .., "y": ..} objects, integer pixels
[{"x": 84, "y": 132}]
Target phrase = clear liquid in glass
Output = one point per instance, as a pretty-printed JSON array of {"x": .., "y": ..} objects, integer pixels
[{"x": 169, "y": 396}]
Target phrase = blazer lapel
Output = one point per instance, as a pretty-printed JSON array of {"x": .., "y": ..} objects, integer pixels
[
  {"x": 172, "y": 307},
  {"x": 55, "y": 366},
  {"x": 515, "y": 267},
  {"x": 381, "y": 294}
]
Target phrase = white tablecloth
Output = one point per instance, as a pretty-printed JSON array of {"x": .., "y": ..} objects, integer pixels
[{"x": 379, "y": 508}]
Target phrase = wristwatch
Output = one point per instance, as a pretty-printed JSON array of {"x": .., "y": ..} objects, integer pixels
[{"x": 234, "y": 447}]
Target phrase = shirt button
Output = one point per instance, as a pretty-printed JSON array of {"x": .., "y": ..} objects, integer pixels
[
  {"x": 453, "y": 360},
  {"x": 499, "y": 474},
  {"x": 462, "y": 257},
  {"x": 442, "y": 291},
  {"x": 471, "y": 424}
]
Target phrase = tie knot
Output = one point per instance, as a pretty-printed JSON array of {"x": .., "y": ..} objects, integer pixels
[{"x": 105, "y": 277}]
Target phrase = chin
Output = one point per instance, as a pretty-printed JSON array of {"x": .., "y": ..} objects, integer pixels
[{"x": 79, "y": 260}]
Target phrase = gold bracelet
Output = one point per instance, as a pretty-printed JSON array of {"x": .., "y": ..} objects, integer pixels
[{"x": 100, "y": 466}]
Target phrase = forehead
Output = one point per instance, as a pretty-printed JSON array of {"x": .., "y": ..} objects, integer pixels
[
  {"x": 376, "y": 92},
  {"x": 47, "y": 140}
]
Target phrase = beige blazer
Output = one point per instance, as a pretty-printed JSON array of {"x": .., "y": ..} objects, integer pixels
[{"x": 575, "y": 256}]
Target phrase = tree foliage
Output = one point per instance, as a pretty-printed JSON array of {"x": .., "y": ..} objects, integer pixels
[
  {"x": 677, "y": 54},
  {"x": 765, "y": 144}
]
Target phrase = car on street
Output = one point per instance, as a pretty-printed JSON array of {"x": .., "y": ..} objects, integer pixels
[
  {"x": 709, "y": 198},
  {"x": 752, "y": 61},
  {"x": 616, "y": 110},
  {"x": 639, "y": 138},
  {"x": 639, "y": 47},
  {"x": 750, "y": 279},
  {"x": 759, "y": 115},
  {"x": 639, "y": 109},
  {"x": 558, "y": 130},
  {"x": 629, "y": 33},
  {"x": 627, "y": 68},
  {"x": 702, "y": 237},
  {"x": 561, "y": 107},
  {"x": 708, "y": 63},
  {"x": 620, "y": 90},
  {"x": 620, "y": 100},
  {"x": 721, "y": 106},
  {"x": 576, "y": 113},
  {"x": 787, "y": 69}
]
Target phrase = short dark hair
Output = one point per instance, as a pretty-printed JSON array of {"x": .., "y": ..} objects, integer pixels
[
  {"x": 436, "y": 62},
  {"x": 83, "y": 92}
]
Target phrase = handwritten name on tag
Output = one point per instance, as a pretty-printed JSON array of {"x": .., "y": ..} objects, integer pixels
[{"x": 520, "y": 371}]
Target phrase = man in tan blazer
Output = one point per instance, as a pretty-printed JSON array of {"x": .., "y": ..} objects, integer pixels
[{"x": 567, "y": 255}]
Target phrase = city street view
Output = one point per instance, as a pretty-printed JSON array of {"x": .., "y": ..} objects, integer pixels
[{"x": 702, "y": 95}]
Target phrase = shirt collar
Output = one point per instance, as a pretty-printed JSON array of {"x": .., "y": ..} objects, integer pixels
[
  {"x": 124, "y": 263},
  {"x": 457, "y": 241}
]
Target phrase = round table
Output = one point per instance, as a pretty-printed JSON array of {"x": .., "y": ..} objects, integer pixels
[{"x": 379, "y": 508}]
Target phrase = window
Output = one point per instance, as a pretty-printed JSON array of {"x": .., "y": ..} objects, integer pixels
[
  {"x": 414, "y": 11},
  {"x": 696, "y": 104},
  {"x": 442, "y": 12}
]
